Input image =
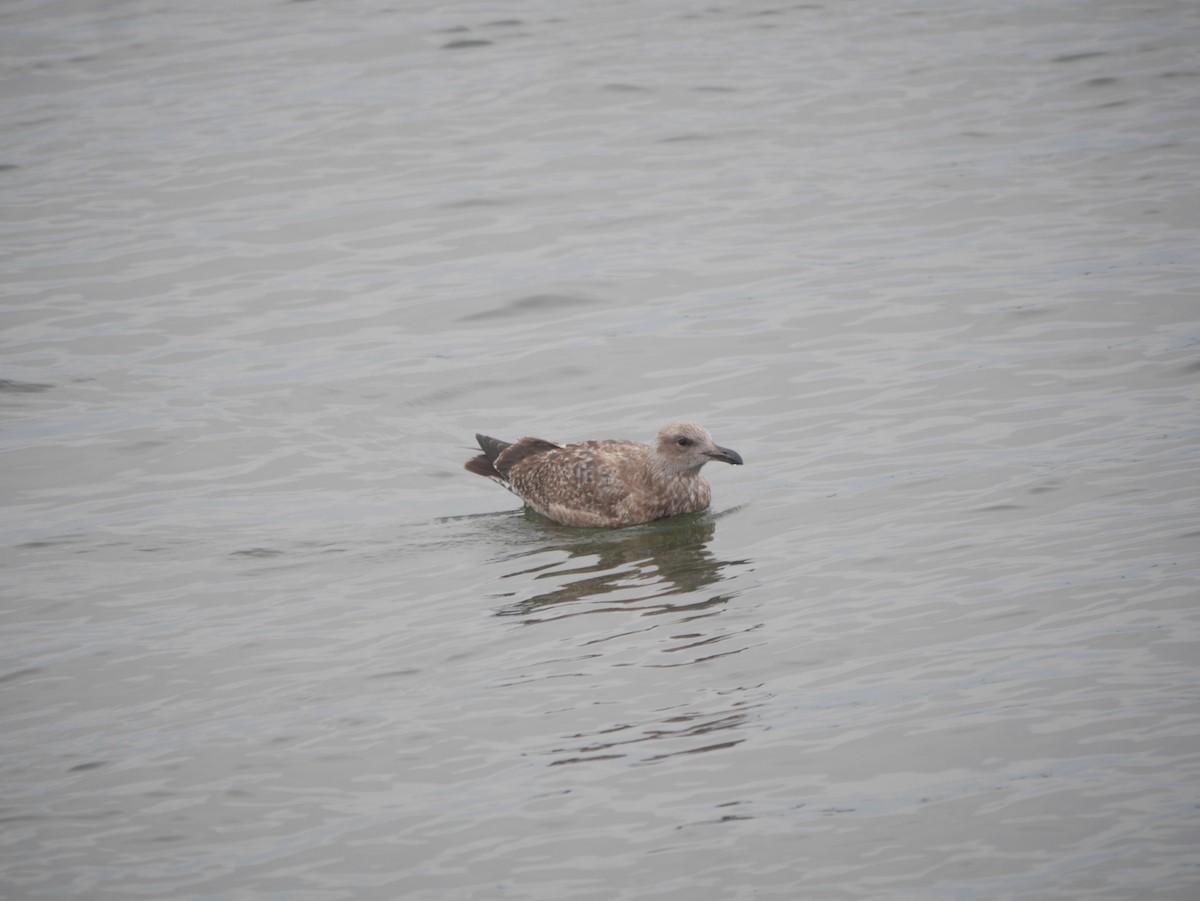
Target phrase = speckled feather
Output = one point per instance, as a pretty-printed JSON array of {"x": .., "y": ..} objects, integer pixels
[{"x": 606, "y": 484}]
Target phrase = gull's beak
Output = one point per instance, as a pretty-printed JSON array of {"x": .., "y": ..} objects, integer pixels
[{"x": 725, "y": 455}]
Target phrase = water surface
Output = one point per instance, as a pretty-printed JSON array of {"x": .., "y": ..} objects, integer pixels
[{"x": 930, "y": 267}]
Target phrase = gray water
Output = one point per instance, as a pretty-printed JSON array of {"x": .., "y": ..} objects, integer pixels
[{"x": 931, "y": 267}]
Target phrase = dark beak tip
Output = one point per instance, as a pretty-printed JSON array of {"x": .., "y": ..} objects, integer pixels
[{"x": 725, "y": 455}]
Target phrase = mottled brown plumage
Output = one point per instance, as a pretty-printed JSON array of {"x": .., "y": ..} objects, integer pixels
[{"x": 606, "y": 484}]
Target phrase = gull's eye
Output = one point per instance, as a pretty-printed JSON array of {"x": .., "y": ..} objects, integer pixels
[{"x": 684, "y": 442}]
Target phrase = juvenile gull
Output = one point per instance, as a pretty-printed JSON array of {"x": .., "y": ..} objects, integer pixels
[{"x": 606, "y": 484}]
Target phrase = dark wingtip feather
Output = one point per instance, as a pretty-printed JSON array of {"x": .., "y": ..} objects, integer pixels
[
  {"x": 523, "y": 449},
  {"x": 492, "y": 447},
  {"x": 485, "y": 463},
  {"x": 499, "y": 457}
]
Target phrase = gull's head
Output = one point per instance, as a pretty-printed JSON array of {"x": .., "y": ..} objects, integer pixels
[{"x": 686, "y": 446}]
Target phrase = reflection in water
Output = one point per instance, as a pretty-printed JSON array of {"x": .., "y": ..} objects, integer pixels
[
  {"x": 9, "y": 386},
  {"x": 685, "y": 733},
  {"x": 663, "y": 570},
  {"x": 632, "y": 566}
]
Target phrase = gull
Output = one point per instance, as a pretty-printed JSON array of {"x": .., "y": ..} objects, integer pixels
[{"x": 606, "y": 484}]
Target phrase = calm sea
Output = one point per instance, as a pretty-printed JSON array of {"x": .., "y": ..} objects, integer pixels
[{"x": 931, "y": 267}]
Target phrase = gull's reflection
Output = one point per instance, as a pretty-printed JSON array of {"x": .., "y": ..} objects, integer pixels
[
  {"x": 656, "y": 659},
  {"x": 657, "y": 567}
]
